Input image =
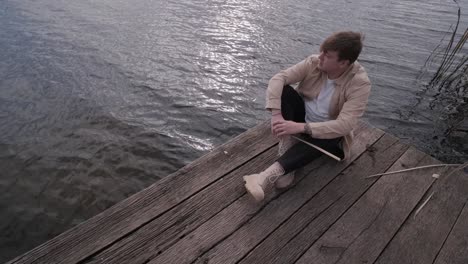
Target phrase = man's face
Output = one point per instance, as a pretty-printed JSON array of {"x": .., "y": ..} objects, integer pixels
[{"x": 330, "y": 63}]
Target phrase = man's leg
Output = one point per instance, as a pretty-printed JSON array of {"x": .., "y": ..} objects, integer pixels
[
  {"x": 292, "y": 105},
  {"x": 256, "y": 183},
  {"x": 296, "y": 157},
  {"x": 302, "y": 154},
  {"x": 292, "y": 108}
]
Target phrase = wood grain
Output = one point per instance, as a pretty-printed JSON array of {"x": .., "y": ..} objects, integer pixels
[
  {"x": 362, "y": 233},
  {"x": 287, "y": 243},
  {"x": 318, "y": 175},
  {"x": 161, "y": 233},
  {"x": 421, "y": 237},
  {"x": 455, "y": 249},
  {"x": 116, "y": 222}
]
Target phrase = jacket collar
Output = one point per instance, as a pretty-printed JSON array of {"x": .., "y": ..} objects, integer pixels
[{"x": 351, "y": 71}]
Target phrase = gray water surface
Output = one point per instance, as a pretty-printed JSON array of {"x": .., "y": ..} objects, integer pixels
[{"x": 101, "y": 98}]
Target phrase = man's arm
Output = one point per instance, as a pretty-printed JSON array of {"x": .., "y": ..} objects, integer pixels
[
  {"x": 291, "y": 75},
  {"x": 286, "y": 127}
]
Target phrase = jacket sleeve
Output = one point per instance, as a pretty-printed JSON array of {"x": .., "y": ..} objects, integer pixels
[
  {"x": 291, "y": 75},
  {"x": 347, "y": 120}
]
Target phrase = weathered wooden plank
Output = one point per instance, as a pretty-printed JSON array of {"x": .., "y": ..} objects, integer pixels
[
  {"x": 455, "y": 249},
  {"x": 287, "y": 243},
  {"x": 361, "y": 234},
  {"x": 152, "y": 239},
  {"x": 230, "y": 219},
  {"x": 421, "y": 237},
  {"x": 109, "y": 226},
  {"x": 243, "y": 240}
]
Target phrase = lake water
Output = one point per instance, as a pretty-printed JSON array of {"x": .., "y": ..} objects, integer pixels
[{"x": 101, "y": 98}]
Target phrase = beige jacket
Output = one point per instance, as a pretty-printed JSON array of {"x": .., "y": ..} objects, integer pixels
[{"x": 348, "y": 102}]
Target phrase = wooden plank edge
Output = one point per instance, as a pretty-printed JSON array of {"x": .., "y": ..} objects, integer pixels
[{"x": 38, "y": 253}]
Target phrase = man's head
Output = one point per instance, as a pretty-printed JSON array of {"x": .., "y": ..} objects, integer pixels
[{"x": 339, "y": 51}]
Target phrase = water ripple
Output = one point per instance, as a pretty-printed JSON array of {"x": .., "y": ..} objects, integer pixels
[{"x": 99, "y": 99}]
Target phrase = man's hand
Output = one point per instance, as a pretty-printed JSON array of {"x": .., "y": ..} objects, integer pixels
[
  {"x": 285, "y": 127},
  {"x": 276, "y": 117}
]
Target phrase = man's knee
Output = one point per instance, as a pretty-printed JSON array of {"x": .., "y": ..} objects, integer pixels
[{"x": 288, "y": 92}]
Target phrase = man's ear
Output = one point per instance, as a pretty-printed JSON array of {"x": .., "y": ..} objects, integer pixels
[{"x": 344, "y": 63}]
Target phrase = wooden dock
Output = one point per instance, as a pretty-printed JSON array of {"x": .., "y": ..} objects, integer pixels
[{"x": 332, "y": 214}]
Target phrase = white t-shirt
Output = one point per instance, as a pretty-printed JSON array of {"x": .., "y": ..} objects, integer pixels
[{"x": 317, "y": 109}]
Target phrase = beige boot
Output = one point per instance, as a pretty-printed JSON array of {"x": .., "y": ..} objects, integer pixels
[
  {"x": 256, "y": 183},
  {"x": 284, "y": 181},
  {"x": 286, "y": 142}
]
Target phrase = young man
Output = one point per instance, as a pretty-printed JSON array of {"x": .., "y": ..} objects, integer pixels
[{"x": 324, "y": 109}]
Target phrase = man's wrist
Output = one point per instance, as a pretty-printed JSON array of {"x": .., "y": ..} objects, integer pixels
[
  {"x": 275, "y": 112},
  {"x": 307, "y": 129}
]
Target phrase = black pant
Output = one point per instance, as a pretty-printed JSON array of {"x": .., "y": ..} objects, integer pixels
[{"x": 299, "y": 155}]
